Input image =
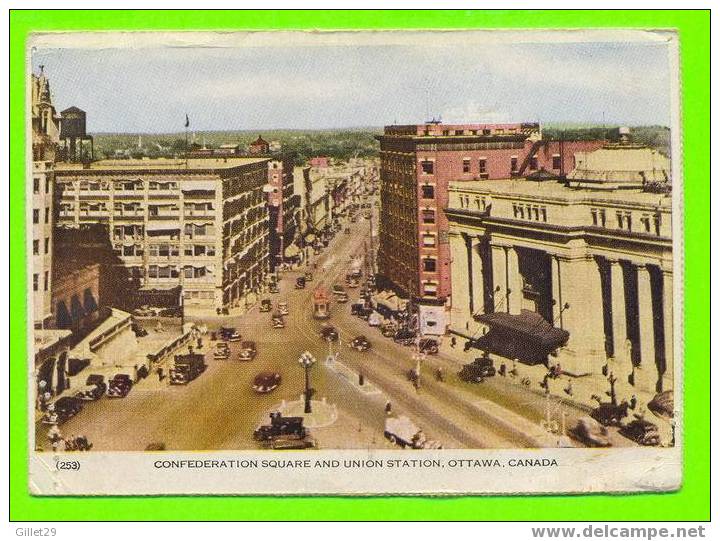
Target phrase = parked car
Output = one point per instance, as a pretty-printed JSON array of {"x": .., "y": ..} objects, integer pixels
[
  {"x": 61, "y": 410},
  {"x": 360, "y": 343},
  {"x": 277, "y": 321},
  {"x": 266, "y": 382},
  {"x": 403, "y": 432},
  {"x": 406, "y": 337},
  {"x": 641, "y": 432},
  {"x": 590, "y": 432},
  {"x": 138, "y": 329},
  {"x": 229, "y": 334},
  {"x": 329, "y": 333},
  {"x": 358, "y": 309},
  {"x": 187, "y": 368},
  {"x": 248, "y": 350},
  {"x": 283, "y": 308},
  {"x": 273, "y": 288},
  {"x": 265, "y": 305},
  {"x": 119, "y": 386},
  {"x": 300, "y": 282},
  {"x": 308, "y": 276},
  {"x": 93, "y": 389},
  {"x": 429, "y": 346},
  {"x": 609, "y": 414},
  {"x": 478, "y": 370},
  {"x": 221, "y": 354}
]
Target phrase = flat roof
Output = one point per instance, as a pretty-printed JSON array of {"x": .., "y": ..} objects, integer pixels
[
  {"x": 161, "y": 164},
  {"x": 556, "y": 190}
]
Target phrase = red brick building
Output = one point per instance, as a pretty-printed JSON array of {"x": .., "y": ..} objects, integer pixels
[
  {"x": 259, "y": 146},
  {"x": 416, "y": 164}
]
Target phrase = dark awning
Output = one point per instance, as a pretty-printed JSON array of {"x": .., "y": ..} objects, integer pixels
[{"x": 526, "y": 336}]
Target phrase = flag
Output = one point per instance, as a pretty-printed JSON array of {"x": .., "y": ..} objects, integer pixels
[{"x": 187, "y": 121}]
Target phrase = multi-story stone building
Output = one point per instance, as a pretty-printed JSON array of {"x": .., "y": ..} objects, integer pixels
[
  {"x": 581, "y": 269},
  {"x": 201, "y": 224},
  {"x": 416, "y": 164},
  {"x": 45, "y": 139},
  {"x": 282, "y": 206}
]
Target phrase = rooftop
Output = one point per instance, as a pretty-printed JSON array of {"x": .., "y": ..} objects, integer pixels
[
  {"x": 524, "y": 188},
  {"x": 161, "y": 164}
]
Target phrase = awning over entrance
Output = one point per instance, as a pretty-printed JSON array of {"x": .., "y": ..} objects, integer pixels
[{"x": 527, "y": 336}]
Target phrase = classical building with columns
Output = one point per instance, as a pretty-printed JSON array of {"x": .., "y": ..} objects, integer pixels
[{"x": 577, "y": 272}]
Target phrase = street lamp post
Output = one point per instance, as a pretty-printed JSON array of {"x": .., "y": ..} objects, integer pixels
[{"x": 306, "y": 360}]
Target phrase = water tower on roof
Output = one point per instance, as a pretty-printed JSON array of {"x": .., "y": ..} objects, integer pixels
[{"x": 75, "y": 142}]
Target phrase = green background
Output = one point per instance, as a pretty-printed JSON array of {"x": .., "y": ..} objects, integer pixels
[{"x": 692, "y": 502}]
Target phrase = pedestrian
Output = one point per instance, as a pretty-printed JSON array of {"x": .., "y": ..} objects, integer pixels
[
  {"x": 361, "y": 379},
  {"x": 160, "y": 373},
  {"x": 633, "y": 402},
  {"x": 388, "y": 408},
  {"x": 453, "y": 342},
  {"x": 503, "y": 370}
]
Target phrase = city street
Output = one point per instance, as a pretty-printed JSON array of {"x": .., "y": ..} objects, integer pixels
[{"x": 220, "y": 410}]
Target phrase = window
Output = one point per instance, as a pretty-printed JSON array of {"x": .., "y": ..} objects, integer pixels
[
  {"x": 428, "y": 216},
  {"x": 556, "y": 161},
  {"x": 36, "y": 216},
  {"x": 36, "y": 247},
  {"x": 486, "y": 132},
  {"x": 47, "y": 215},
  {"x": 466, "y": 165},
  {"x": 47, "y": 245},
  {"x": 428, "y": 192},
  {"x": 619, "y": 216},
  {"x": 543, "y": 213},
  {"x": 594, "y": 216},
  {"x": 430, "y": 289},
  {"x": 429, "y": 265},
  {"x": 46, "y": 279},
  {"x": 47, "y": 184},
  {"x": 36, "y": 185},
  {"x": 36, "y": 279},
  {"x": 482, "y": 165},
  {"x": 428, "y": 167},
  {"x": 429, "y": 240},
  {"x": 513, "y": 164},
  {"x": 645, "y": 221},
  {"x": 628, "y": 221},
  {"x": 533, "y": 163},
  {"x": 657, "y": 221}
]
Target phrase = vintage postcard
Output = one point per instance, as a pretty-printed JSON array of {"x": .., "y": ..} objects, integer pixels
[{"x": 441, "y": 262}]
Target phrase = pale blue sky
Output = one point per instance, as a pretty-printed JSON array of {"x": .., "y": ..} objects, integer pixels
[{"x": 151, "y": 89}]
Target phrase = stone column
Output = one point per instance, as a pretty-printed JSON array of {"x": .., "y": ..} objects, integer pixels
[
  {"x": 460, "y": 292},
  {"x": 668, "y": 305},
  {"x": 477, "y": 277},
  {"x": 581, "y": 289},
  {"x": 646, "y": 374},
  {"x": 499, "y": 270},
  {"x": 515, "y": 282},
  {"x": 617, "y": 299},
  {"x": 556, "y": 291}
]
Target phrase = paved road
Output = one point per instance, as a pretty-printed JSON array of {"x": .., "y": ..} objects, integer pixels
[{"x": 219, "y": 410}]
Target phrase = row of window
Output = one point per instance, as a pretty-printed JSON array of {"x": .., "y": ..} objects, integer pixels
[
  {"x": 428, "y": 166},
  {"x": 478, "y": 203},
  {"x": 624, "y": 220},
  {"x": 537, "y": 213},
  {"x": 36, "y": 215},
  {"x": 46, "y": 281},
  {"x": 36, "y": 185},
  {"x": 36, "y": 246},
  {"x": 125, "y": 185},
  {"x": 172, "y": 271}
]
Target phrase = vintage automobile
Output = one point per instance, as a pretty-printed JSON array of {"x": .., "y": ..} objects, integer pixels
[
  {"x": 478, "y": 370},
  {"x": 273, "y": 288},
  {"x": 358, "y": 309},
  {"x": 266, "y": 382},
  {"x": 283, "y": 308},
  {"x": 222, "y": 353},
  {"x": 360, "y": 343},
  {"x": 93, "y": 389},
  {"x": 429, "y": 346},
  {"x": 609, "y": 414},
  {"x": 403, "y": 432},
  {"x": 277, "y": 321},
  {"x": 248, "y": 351},
  {"x": 406, "y": 337},
  {"x": 138, "y": 329},
  {"x": 265, "y": 305},
  {"x": 119, "y": 386},
  {"x": 229, "y": 334},
  {"x": 280, "y": 427},
  {"x": 591, "y": 433},
  {"x": 388, "y": 330},
  {"x": 308, "y": 276},
  {"x": 300, "y": 282},
  {"x": 187, "y": 368},
  {"x": 62, "y": 409},
  {"x": 329, "y": 333},
  {"x": 641, "y": 432}
]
